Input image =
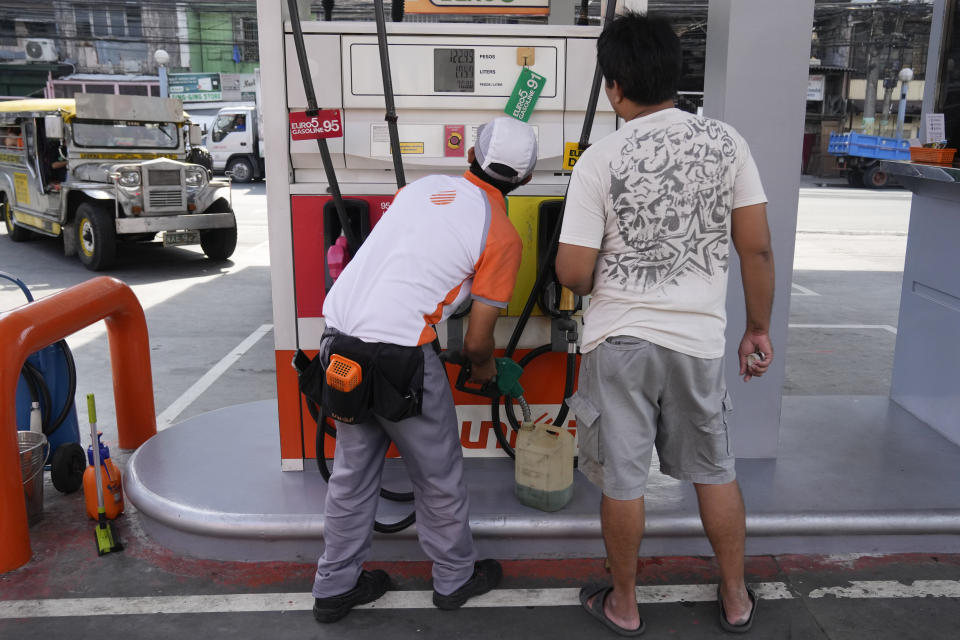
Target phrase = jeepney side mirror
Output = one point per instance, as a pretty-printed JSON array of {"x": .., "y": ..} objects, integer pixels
[
  {"x": 53, "y": 127},
  {"x": 196, "y": 136}
]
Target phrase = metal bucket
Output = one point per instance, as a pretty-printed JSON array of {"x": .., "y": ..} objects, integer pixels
[{"x": 33, "y": 455}]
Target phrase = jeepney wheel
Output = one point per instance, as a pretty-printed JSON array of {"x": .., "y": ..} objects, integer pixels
[
  {"x": 96, "y": 237},
  {"x": 241, "y": 170},
  {"x": 218, "y": 244},
  {"x": 17, "y": 234},
  {"x": 875, "y": 177}
]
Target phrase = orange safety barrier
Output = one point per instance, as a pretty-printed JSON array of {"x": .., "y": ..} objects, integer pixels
[{"x": 38, "y": 324}]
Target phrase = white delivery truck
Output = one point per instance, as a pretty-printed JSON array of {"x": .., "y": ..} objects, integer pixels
[{"x": 235, "y": 143}]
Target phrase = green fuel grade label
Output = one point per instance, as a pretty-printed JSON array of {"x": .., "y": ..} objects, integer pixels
[{"x": 525, "y": 93}]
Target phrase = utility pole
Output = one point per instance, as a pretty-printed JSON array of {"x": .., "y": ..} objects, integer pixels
[
  {"x": 894, "y": 40},
  {"x": 873, "y": 72}
]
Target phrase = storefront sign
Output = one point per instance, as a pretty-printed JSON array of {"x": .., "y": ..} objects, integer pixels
[
  {"x": 815, "y": 86},
  {"x": 935, "y": 128},
  {"x": 238, "y": 87},
  {"x": 195, "y": 87}
]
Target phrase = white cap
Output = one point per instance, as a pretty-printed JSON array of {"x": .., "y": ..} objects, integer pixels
[{"x": 509, "y": 142}]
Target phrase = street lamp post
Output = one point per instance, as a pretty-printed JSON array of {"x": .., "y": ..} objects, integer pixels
[
  {"x": 906, "y": 75},
  {"x": 162, "y": 58}
]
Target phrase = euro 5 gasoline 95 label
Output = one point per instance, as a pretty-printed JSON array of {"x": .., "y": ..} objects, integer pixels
[
  {"x": 524, "y": 95},
  {"x": 326, "y": 124}
]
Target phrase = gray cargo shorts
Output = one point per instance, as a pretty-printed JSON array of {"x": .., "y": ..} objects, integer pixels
[{"x": 634, "y": 395}]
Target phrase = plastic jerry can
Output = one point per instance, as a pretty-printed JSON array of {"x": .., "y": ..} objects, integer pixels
[
  {"x": 544, "y": 466},
  {"x": 112, "y": 484}
]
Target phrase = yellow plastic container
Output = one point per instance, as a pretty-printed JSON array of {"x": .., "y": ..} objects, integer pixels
[{"x": 544, "y": 466}]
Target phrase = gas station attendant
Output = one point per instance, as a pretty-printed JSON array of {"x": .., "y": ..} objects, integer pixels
[{"x": 443, "y": 239}]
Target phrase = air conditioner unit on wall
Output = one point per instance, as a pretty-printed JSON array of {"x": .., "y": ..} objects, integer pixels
[{"x": 40, "y": 50}]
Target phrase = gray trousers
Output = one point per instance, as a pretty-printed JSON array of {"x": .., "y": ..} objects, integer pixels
[{"x": 430, "y": 446}]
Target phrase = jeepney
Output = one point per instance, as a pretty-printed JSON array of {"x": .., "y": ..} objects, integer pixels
[{"x": 100, "y": 169}]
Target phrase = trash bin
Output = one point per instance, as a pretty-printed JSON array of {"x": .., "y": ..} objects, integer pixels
[{"x": 33, "y": 455}]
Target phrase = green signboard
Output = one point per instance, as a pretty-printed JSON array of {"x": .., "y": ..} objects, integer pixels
[
  {"x": 525, "y": 93},
  {"x": 195, "y": 87}
]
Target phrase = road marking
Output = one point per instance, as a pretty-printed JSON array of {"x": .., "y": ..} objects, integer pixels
[
  {"x": 884, "y": 327},
  {"x": 498, "y": 598},
  {"x": 892, "y": 589},
  {"x": 802, "y": 291},
  {"x": 166, "y": 418}
]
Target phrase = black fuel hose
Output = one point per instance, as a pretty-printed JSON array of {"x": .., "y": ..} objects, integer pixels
[
  {"x": 544, "y": 268},
  {"x": 324, "y": 429}
]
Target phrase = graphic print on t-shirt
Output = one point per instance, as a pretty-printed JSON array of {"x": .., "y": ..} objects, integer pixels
[{"x": 671, "y": 192}]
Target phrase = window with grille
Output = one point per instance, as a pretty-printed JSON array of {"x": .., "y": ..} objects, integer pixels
[
  {"x": 247, "y": 32},
  {"x": 8, "y": 32},
  {"x": 101, "y": 22}
]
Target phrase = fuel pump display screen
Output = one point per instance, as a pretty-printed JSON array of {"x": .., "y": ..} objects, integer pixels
[{"x": 453, "y": 70}]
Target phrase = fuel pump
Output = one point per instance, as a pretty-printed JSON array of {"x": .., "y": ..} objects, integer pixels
[{"x": 438, "y": 117}]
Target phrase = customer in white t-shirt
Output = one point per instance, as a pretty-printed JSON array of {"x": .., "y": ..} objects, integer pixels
[{"x": 650, "y": 214}]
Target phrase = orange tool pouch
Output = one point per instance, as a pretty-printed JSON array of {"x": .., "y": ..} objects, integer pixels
[{"x": 363, "y": 378}]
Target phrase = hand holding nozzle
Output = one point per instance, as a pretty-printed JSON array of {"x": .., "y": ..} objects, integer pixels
[{"x": 506, "y": 381}]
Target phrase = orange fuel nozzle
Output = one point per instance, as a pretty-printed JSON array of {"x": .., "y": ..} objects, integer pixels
[{"x": 343, "y": 374}]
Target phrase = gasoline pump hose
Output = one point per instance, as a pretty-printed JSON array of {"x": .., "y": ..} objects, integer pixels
[
  {"x": 353, "y": 242},
  {"x": 544, "y": 267},
  {"x": 388, "y": 98},
  {"x": 324, "y": 429}
]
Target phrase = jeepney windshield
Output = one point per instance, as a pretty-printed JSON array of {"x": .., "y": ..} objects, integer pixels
[{"x": 132, "y": 135}]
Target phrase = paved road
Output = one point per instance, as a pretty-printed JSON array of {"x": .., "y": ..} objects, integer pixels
[{"x": 197, "y": 312}]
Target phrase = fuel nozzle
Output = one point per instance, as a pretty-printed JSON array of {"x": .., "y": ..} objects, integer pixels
[
  {"x": 337, "y": 257},
  {"x": 508, "y": 377}
]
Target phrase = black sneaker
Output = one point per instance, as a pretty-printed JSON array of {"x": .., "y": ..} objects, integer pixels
[
  {"x": 486, "y": 576},
  {"x": 370, "y": 586}
]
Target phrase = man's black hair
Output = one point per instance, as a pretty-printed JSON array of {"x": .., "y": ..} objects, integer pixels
[
  {"x": 643, "y": 55},
  {"x": 504, "y": 187}
]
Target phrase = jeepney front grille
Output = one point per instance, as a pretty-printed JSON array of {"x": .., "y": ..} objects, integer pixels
[
  {"x": 163, "y": 177},
  {"x": 166, "y": 198}
]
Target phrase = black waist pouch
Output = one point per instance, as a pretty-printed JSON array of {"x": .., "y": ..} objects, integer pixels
[
  {"x": 391, "y": 383},
  {"x": 398, "y": 382}
]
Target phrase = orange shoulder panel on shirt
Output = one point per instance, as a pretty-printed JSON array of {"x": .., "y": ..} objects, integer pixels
[{"x": 499, "y": 263}]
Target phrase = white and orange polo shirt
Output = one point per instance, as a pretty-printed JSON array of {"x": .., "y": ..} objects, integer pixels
[{"x": 443, "y": 239}]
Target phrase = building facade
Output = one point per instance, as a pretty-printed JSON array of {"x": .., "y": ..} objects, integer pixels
[{"x": 120, "y": 37}]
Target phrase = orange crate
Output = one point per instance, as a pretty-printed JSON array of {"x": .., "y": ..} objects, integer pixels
[{"x": 932, "y": 156}]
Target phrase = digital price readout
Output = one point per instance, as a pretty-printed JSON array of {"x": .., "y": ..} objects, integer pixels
[{"x": 453, "y": 70}]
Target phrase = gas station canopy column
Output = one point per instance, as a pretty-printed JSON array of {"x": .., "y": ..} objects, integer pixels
[{"x": 755, "y": 79}]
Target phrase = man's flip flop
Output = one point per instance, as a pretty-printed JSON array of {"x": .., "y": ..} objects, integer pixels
[
  {"x": 743, "y": 627},
  {"x": 595, "y": 609}
]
